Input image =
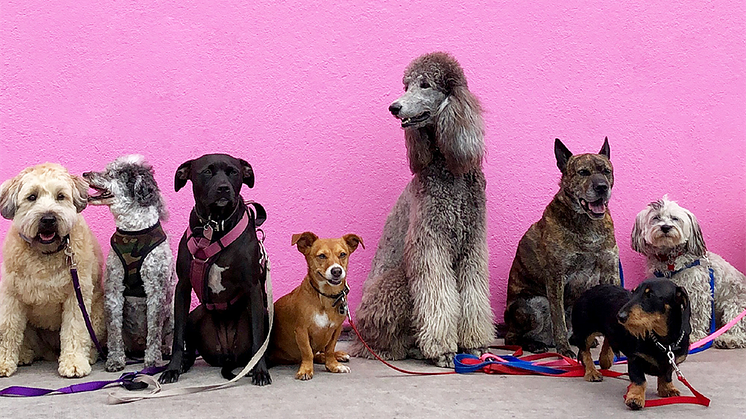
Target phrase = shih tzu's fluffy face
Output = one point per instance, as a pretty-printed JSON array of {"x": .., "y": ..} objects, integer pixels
[{"x": 664, "y": 226}]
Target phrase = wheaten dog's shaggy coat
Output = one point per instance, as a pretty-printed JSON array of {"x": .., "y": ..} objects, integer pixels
[
  {"x": 427, "y": 294},
  {"x": 36, "y": 292}
]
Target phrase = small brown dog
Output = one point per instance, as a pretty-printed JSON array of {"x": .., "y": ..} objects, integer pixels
[{"x": 308, "y": 321}]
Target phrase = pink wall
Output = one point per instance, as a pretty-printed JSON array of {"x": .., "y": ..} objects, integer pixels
[{"x": 301, "y": 91}]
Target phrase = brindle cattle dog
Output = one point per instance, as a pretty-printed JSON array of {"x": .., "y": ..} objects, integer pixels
[{"x": 571, "y": 249}]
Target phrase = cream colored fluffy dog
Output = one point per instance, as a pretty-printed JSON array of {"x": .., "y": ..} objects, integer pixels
[{"x": 38, "y": 309}]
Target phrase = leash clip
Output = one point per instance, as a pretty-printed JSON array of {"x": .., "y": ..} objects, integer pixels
[{"x": 70, "y": 255}]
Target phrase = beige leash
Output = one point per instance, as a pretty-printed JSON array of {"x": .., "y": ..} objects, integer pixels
[{"x": 159, "y": 393}]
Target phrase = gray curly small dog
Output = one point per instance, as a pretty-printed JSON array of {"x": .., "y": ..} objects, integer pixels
[
  {"x": 139, "y": 284},
  {"x": 427, "y": 294}
]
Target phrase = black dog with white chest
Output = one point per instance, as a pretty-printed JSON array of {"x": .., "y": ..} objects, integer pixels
[
  {"x": 230, "y": 324},
  {"x": 645, "y": 324}
]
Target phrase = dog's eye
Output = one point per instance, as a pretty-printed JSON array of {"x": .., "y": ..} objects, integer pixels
[
  {"x": 321, "y": 256},
  {"x": 207, "y": 172},
  {"x": 674, "y": 218},
  {"x": 424, "y": 85},
  {"x": 342, "y": 255},
  {"x": 60, "y": 197},
  {"x": 31, "y": 197},
  {"x": 230, "y": 171},
  {"x": 606, "y": 171},
  {"x": 584, "y": 172},
  {"x": 656, "y": 218}
]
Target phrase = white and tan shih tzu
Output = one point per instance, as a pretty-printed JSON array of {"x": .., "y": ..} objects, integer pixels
[
  {"x": 671, "y": 239},
  {"x": 39, "y": 312}
]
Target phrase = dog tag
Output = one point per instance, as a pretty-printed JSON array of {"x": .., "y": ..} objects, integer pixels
[
  {"x": 342, "y": 309},
  {"x": 207, "y": 232}
]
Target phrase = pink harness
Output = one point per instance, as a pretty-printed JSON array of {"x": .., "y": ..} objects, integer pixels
[{"x": 202, "y": 251}]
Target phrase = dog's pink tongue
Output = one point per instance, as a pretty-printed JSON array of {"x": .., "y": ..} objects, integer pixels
[
  {"x": 46, "y": 237},
  {"x": 599, "y": 208}
]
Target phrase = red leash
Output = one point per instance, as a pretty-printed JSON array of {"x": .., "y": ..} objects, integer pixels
[
  {"x": 352, "y": 324},
  {"x": 572, "y": 368}
]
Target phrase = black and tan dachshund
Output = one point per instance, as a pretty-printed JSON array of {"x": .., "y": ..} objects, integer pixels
[{"x": 643, "y": 325}]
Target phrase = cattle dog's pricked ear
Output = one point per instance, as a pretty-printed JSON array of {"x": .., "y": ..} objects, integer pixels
[
  {"x": 562, "y": 154},
  {"x": 304, "y": 241},
  {"x": 605, "y": 150},
  {"x": 353, "y": 240},
  {"x": 80, "y": 192},
  {"x": 247, "y": 172},
  {"x": 183, "y": 173}
]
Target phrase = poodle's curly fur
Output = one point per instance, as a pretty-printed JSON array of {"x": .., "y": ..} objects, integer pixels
[
  {"x": 136, "y": 323},
  {"x": 427, "y": 294},
  {"x": 671, "y": 238},
  {"x": 39, "y": 312}
]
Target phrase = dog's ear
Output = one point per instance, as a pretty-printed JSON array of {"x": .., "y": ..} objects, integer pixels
[
  {"x": 696, "y": 243},
  {"x": 460, "y": 131},
  {"x": 304, "y": 241},
  {"x": 183, "y": 173},
  {"x": 8, "y": 196},
  {"x": 353, "y": 240},
  {"x": 682, "y": 299},
  {"x": 638, "y": 231},
  {"x": 145, "y": 190},
  {"x": 247, "y": 172},
  {"x": 80, "y": 192},
  {"x": 562, "y": 154},
  {"x": 605, "y": 150}
]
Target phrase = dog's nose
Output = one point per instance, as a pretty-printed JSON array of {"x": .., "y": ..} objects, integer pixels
[
  {"x": 336, "y": 271},
  {"x": 601, "y": 188},
  {"x": 48, "y": 221},
  {"x": 395, "y": 108},
  {"x": 87, "y": 174},
  {"x": 224, "y": 189},
  {"x": 622, "y": 316},
  {"x": 666, "y": 228}
]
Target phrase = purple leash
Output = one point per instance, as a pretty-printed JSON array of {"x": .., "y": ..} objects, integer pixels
[
  {"x": 79, "y": 295},
  {"x": 127, "y": 380}
]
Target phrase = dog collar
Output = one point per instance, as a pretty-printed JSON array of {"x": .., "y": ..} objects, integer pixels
[
  {"x": 669, "y": 260},
  {"x": 673, "y": 347},
  {"x": 671, "y": 272},
  {"x": 210, "y": 225},
  {"x": 339, "y": 298}
]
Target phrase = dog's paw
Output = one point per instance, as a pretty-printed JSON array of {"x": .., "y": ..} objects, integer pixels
[
  {"x": 728, "y": 342},
  {"x": 169, "y": 376},
  {"x": 114, "y": 364},
  {"x": 73, "y": 365},
  {"x": 535, "y": 347},
  {"x": 668, "y": 390},
  {"x": 342, "y": 356},
  {"x": 26, "y": 357},
  {"x": 476, "y": 351},
  {"x": 304, "y": 373},
  {"x": 593, "y": 376},
  {"x": 261, "y": 378},
  {"x": 445, "y": 360},
  {"x": 635, "y": 398},
  {"x": 567, "y": 352},
  {"x": 7, "y": 368},
  {"x": 338, "y": 368}
]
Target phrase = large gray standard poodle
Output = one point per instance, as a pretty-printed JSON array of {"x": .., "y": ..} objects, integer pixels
[{"x": 427, "y": 294}]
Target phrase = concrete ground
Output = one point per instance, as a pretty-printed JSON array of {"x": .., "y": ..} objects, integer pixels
[{"x": 375, "y": 391}]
